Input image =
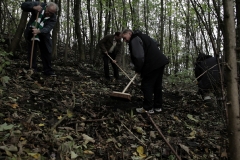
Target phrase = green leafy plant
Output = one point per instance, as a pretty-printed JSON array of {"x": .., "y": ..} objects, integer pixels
[{"x": 185, "y": 76}]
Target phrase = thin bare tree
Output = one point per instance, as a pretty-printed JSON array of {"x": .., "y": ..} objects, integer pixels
[{"x": 232, "y": 80}]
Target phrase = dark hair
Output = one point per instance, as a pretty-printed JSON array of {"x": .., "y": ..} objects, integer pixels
[{"x": 117, "y": 33}]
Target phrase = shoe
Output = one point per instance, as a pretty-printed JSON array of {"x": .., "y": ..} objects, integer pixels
[
  {"x": 158, "y": 109},
  {"x": 142, "y": 110},
  {"x": 151, "y": 111},
  {"x": 52, "y": 74},
  {"x": 35, "y": 70}
]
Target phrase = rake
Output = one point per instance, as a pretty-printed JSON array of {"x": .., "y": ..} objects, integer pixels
[{"x": 123, "y": 95}]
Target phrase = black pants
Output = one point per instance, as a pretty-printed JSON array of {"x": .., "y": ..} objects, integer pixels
[
  {"x": 106, "y": 66},
  {"x": 151, "y": 87},
  {"x": 46, "y": 56}
]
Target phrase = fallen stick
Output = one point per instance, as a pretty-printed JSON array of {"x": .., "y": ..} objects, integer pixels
[
  {"x": 59, "y": 121},
  {"x": 90, "y": 120},
  {"x": 204, "y": 72},
  {"x": 159, "y": 131},
  {"x": 30, "y": 118},
  {"x": 133, "y": 134}
]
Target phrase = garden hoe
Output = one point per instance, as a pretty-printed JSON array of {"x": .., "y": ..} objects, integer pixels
[
  {"x": 123, "y": 95},
  {"x": 120, "y": 68}
]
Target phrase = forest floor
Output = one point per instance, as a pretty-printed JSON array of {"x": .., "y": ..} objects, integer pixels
[{"x": 72, "y": 116}]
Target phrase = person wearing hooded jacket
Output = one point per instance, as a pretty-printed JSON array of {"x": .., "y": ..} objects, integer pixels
[
  {"x": 207, "y": 74},
  {"x": 149, "y": 62}
]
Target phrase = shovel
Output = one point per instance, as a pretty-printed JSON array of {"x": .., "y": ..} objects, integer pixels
[
  {"x": 123, "y": 95},
  {"x": 33, "y": 45}
]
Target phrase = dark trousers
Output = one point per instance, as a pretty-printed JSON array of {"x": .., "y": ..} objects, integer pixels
[
  {"x": 106, "y": 66},
  {"x": 151, "y": 87},
  {"x": 46, "y": 56}
]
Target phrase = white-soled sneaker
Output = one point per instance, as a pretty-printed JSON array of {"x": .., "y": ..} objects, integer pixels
[
  {"x": 151, "y": 111},
  {"x": 140, "y": 110},
  {"x": 158, "y": 109}
]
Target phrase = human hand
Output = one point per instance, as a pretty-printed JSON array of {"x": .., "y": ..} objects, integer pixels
[
  {"x": 106, "y": 52},
  {"x": 114, "y": 61},
  {"x": 35, "y": 31},
  {"x": 37, "y": 8}
]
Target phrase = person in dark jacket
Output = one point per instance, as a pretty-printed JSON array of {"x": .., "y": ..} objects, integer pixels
[
  {"x": 111, "y": 45},
  {"x": 149, "y": 61},
  {"x": 41, "y": 31},
  {"x": 207, "y": 74}
]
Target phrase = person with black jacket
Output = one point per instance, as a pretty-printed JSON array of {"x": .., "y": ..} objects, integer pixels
[
  {"x": 207, "y": 74},
  {"x": 41, "y": 32},
  {"x": 149, "y": 62}
]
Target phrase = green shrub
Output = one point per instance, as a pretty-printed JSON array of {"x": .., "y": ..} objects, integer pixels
[{"x": 183, "y": 77}]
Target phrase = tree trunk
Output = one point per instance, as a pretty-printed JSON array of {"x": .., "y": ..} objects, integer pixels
[
  {"x": 146, "y": 15},
  {"x": 67, "y": 41},
  {"x": 107, "y": 18},
  {"x": 124, "y": 26},
  {"x": 56, "y": 32},
  {"x": 1, "y": 18},
  {"x": 187, "y": 40},
  {"x": 162, "y": 26},
  {"x": 232, "y": 80},
  {"x": 238, "y": 32},
  {"x": 78, "y": 30},
  {"x": 100, "y": 12},
  {"x": 91, "y": 30},
  {"x": 18, "y": 33}
]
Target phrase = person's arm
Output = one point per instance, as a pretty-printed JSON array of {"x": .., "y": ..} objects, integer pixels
[
  {"x": 102, "y": 44},
  {"x": 30, "y": 6},
  {"x": 118, "y": 50},
  {"x": 137, "y": 54},
  {"x": 48, "y": 26}
]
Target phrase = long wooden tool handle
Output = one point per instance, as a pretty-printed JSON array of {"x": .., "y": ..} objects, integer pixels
[
  {"x": 159, "y": 131},
  {"x": 129, "y": 83},
  {"x": 120, "y": 68},
  {"x": 33, "y": 40}
]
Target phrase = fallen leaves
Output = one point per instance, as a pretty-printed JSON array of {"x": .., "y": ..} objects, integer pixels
[
  {"x": 185, "y": 148},
  {"x": 14, "y": 105},
  {"x": 5, "y": 80},
  {"x": 35, "y": 155},
  {"x": 87, "y": 139},
  {"x": 140, "y": 151},
  {"x": 191, "y": 117},
  {"x": 83, "y": 133},
  {"x": 5, "y": 126}
]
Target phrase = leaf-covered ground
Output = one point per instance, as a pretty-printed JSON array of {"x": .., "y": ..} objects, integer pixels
[{"x": 73, "y": 117}]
